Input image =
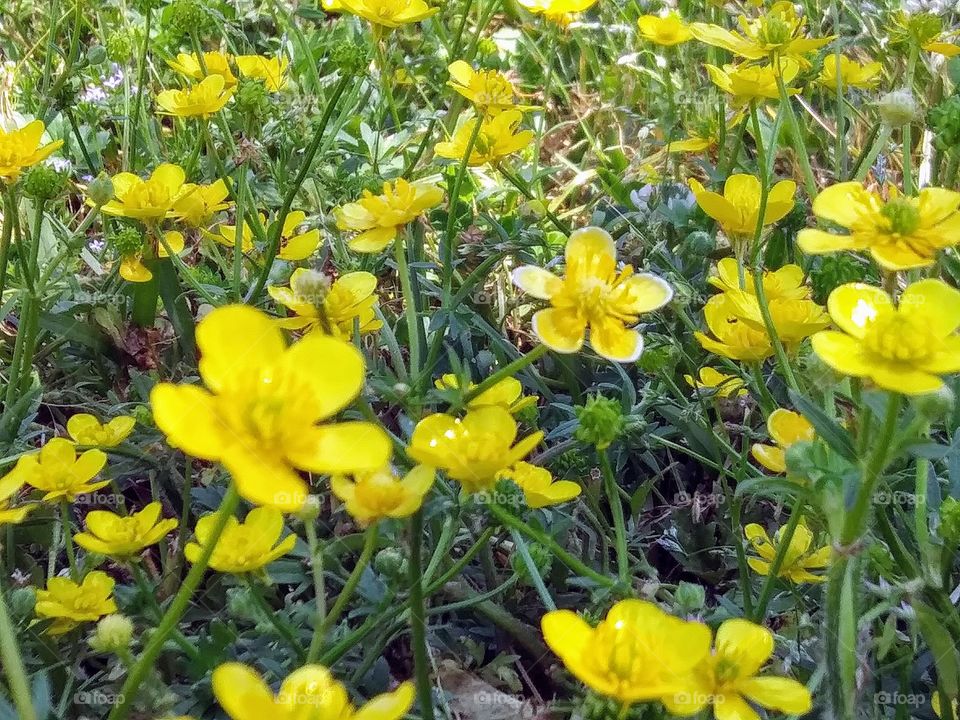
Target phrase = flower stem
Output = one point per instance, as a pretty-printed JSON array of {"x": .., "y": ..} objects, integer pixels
[
  {"x": 783, "y": 547},
  {"x": 13, "y": 665},
  {"x": 616, "y": 509},
  {"x": 448, "y": 248},
  {"x": 319, "y": 591},
  {"x": 410, "y": 305},
  {"x": 796, "y": 134},
  {"x": 176, "y": 610},
  {"x": 366, "y": 554},
  {"x": 68, "y": 540},
  {"x": 418, "y": 620}
]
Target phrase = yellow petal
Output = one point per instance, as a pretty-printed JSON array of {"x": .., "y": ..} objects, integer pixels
[
  {"x": 537, "y": 282},
  {"x": 751, "y": 645},
  {"x": 561, "y": 330},
  {"x": 777, "y": 693},
  {"x": 236, "y": 343},
  {"x": 610, "y": 339},
  {"x": 242, "y": 693},
  {"x": 591, "y": 252},
  {"x": 853, "y": 306},
  {"x": 933, "y": 304}
]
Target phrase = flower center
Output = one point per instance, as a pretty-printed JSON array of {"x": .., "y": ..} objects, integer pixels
[
  {"x": 896, "y": 337},
  {"x": 903, "y": 216},
  {"x": 619, "y": 647},
  {"x": 380, "y": 491}
]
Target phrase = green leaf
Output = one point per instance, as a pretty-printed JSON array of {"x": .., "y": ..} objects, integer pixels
[
  {"x": 941, "y": 646},
  {"x": 829, "y": 430}
]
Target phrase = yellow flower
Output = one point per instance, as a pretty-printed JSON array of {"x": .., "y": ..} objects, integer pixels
[
  {"x": 57, "y": 471},
  {"x": 901, "y": 233},
  {"x": 373, "y": 496},
  {"x": 506, "y": 394},
  {"x": 379, "y": 218},
  {"x": 852, "y": 73},
  {"x": 637, "y": 653},
  {"x": 217, "y": 63},
  {"x": 120, "y": 537},
  {"x": 747, "y": 83},
  {"x": 310, "y": 693},
  {"x": 558, "y": 11},
  {"x": 132, "y": 268},
  {"x": 271, "y": 70},
  {"x": 260, "y": 412},
  {"x": 793, "y": 319},
  {"x": 538, "y": 486},
  {"x": 326, "y": 308},
  {"x": 472, "y": 450},
  {"x": 690, "y": 144},
  {"x": 201, "y": 100},
  {"x": 943, "y": 45},
  {"x": 785, "y": 428},
  {"x": 738, "y": 209},
  {"x": 21, "y": 148},
  {"x": 490, "y": 91},
  {"x": 10, "y": 486},
  {"x": 244, "y": 546},
  {"x": 722, "y": 384},
  {"x": 731, "y": 336},
  {"x": 199, "y": 203},
  {"x": 387, "y": 14},
  {"x": 296, "y": 246},
  {"x": 668, "y": 30},
  {"x": 903, "y": 349},
  {"x": 779, "y": 33},
  {"x": 86, "y": 430},
  {"x": 498, "y": 138},
  {"x": 594, "y": 295},
  {"x": 729, "y": 676},
  {"x": 798, "y": 560},
  {"x": 68, "y": 603},
  {"x": 226, "y": 235},
  {"x": 787, "y": 283},
  {"x": 147, "y": 200}
]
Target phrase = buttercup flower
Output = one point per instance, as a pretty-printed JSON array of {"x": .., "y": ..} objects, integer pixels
[
  {"x": 785, "y": 428},
  {"x": 379, "y": 218},
  {"x": 259, "y": 413},
  {"x": 296, "y": 246},
  {"x": 901, "y": 233},
  {"x": 373, "y": 496},
  {"x": 722, "y": 384},
  {"x": 132, "y": 268},
  {"x": 668, "y": 30},
  {"x": 746, "y": 83},
  {"x": 690, "y": 144},
  {"x": 798, "y": 560},
  {"x": 730, "y": 336},
  {"x": 21, "y": 148},
  {"x": 244, "y": 546},
  {"x": 472, "y": 450},
  {"x": 738, "y": 209},
  {"x": 793, "y": 319},
  {"x": 199, "y": 203},
  {"x": 310, "y": 693},
  {"x": 729, "y": 676},
  {"x": 201, "y": 100},
  {"x": 558, "y": 11},
  {"x": 786, "y": 283},
  {"x": 490, "y": 91},
  {"x": 507, "y": 394},
  {"x": 85, "y": 429},
  {"x": 778, "y": 33},
  {"x": 57, "y": 471},
  {"x": 271, "y": 70},
  {"x": 498, "y": 137},
  {"x": 329, "y": 308},
  {"x": 852, "y": 73},
  {"x": 387, "y": 14},
  {"x": 120, "y": 537},
  {"x": 69, "y": 603},
  {"x": 147, "y": 200},
  {"x": 10, "y": 486},
  {"x": 217, "y": 63},
  {"x": 226, "y": 235},
  {"x": 538, "y": 486},
  {"x": 638, "y": 652},
  {"x": 903, "y": 348},
  {"x": 594, "y": 295}
]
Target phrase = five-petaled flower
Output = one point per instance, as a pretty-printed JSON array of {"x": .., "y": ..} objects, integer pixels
[
  {"x": 201, "y": 100},
  {"x": 120, "y": 536},
  {"x": 372, "y": 496},
  {"x": 667, "y": 30},
  {"x": 69, "y": 603},
  {"x": 786, "y": 428},
  {"x": 499, "y": 136},
  {"x": 593, "y": 294},
  {"x": 56, "y": 470},
  {"x": 272, "y": 71},
  {"x": 798, "y": 560},
  {"x": 331, "y": 308},
  {"x": 21, "y": 148},
  {"x": 386, "y": 15},
  {"x": 379, "y": 218},
  {"x": 148, "y": 200},
  {"x": 243, "y": 547},
  {"x": 85, "y": 429}
]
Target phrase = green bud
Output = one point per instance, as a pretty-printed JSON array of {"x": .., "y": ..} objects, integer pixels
[
  {"x": 831, "y": 272},
  {"x": 542, "y": 560},
  {"x": 391, "y": 563},
  {"x": 187, "y": 17},
  {"x": 127, "y": 240},
  {"x": 143, "y": 415},
  {"x": 897, "y": 108},
  {"x": 240, "y": 603},
  {"x": 698, "y": 244},
  {"x": 114, "y": 634},
  {"x": 310, "y": 510},
  {"x": 42, "y": 182},
  {"x": 880, "y": 559},
  {"x": 656, "y": 359},
  {"x": 100, "y": 190},
  {"x": 601, "y": 421},
  {"x": 22, "y": 601},
  {"x": 944, "y": 120},
  {"x": 251, "y": 98},
  {"x": 935, "y": 406},
  {"x": 120, "y": 46},
  {"x": 349, "y": 56},
  {"x": 690, "y": 597},
  {"x": 950, "y": 521},
  {"x": 96, "y": 55}
]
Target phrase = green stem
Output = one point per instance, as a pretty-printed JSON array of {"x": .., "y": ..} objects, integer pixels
[
  {"x": 796, "y": 134},
  {"x": 319, "y": 591},
  {"x": 9, "y": 210},
  {"x": 13, "y": 665},
  {"x": 448, "y": 248},
  {"x": 783, "y": 547},
  {"x": 176, "y": 610},
  {"x": 277, "y": 622},
  {"x": 409, "y": 305},
  {"x": 506, "y": 371},
  {"x": 68, "y": 540},
  {"x": 418, "y": 619},
  {"x": 612, "y": 491},
  {"x": 141, "y": 81},
  {"x": 366, "y": 554}
]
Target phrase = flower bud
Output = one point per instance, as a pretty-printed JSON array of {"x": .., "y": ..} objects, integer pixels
[
  {"x": 120, "y": 46},
  {"x": 251, "y": 99},
  {"x": 42, "y": 182},
  {"x": 935, "y": 406},
  {"x": 310, "y": 510},
  {"x": 897, "y": 108},
  {"x": 22, "y": 601},
  {"x": 542, "y": 560},
  {"x": 97, "y": 55},
  {"x": 100, "y": 190},
  {"x": 950, "y": 521},
  {"x": 391, "y": 563},
  {"x": 114, "y": 634},
  {"x": 601, "y": 421},
  {"x": 127, "y": 240},
  {"x": 690, "y": 597}
]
